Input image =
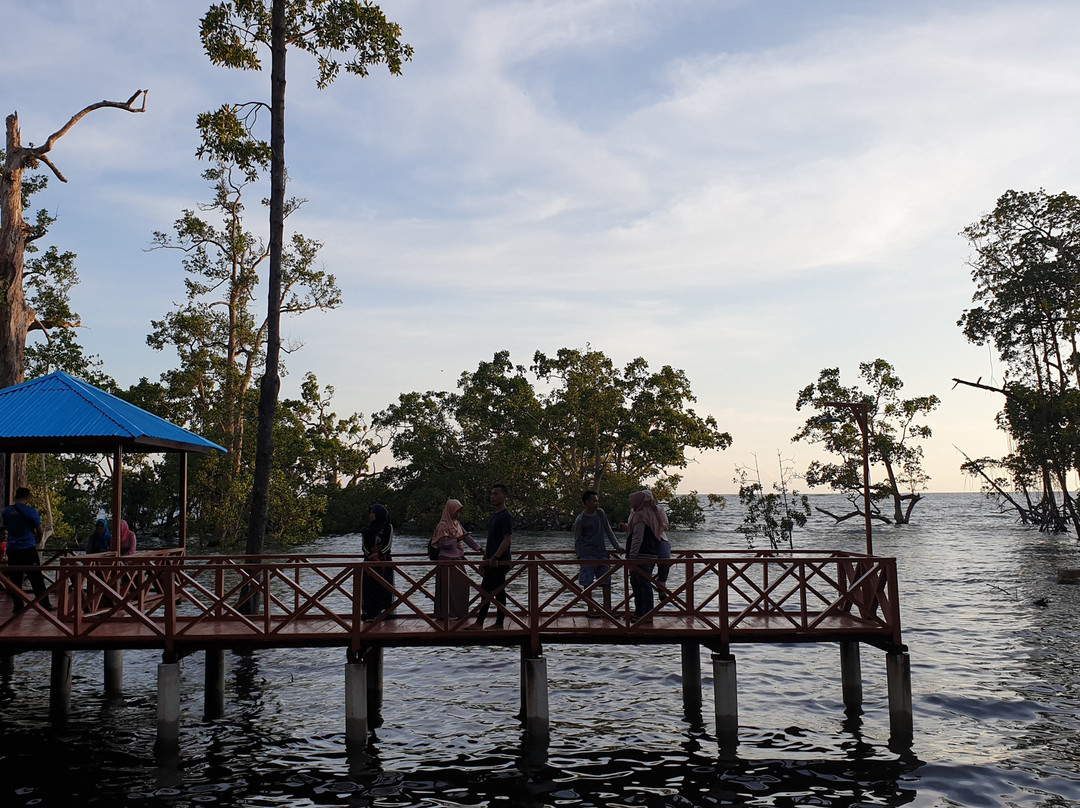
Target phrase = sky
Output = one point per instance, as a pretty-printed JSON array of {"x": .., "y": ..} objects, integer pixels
[{"x": 748, "y": 190}]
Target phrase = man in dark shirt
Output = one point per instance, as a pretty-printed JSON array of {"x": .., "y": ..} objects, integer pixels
[
  {"x": 496, "y": 557},
  {"x": 23, "y": 527}
]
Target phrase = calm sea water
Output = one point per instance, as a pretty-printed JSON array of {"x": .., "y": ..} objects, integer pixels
[{"x": 995, "y": 677}]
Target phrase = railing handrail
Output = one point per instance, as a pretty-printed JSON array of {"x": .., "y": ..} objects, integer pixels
[{"x": 716, "y": 592}]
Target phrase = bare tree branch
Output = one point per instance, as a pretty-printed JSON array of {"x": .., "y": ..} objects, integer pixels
[
  {"x": 55, "y": 170},
  {"x": 1001, "y": 390},
  {"x": 128, "y": 105}
]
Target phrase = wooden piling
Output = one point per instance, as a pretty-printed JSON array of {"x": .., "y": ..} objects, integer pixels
[
  {"x": 851, "y": 675},
  {"x": 214, "y": 684},
  {"x": 168, "y": 704},
  {"x": 901, "y": 719},
  {"x": 726, "y": 699},
  {"x": 60, "y": 685},
  {"x": 691, "y": 677},
  {"x": 356, "y": 706},
  {"x": 113, "y": 662},
  {"x": 537, "y": 718},
  {"x": 373, "y": 660}
]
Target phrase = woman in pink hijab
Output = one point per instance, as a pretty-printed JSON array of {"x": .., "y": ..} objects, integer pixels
[
  {"x": 127, "y": 539},
  {"x": 451, "y": 585},
  {"x": 646, "y": 528}
]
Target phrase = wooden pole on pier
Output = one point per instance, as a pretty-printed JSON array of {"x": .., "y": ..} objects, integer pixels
[
  {"x": 901, "y": 718},
  {"x": 726, "y": 699},
  {"x": 214, "y": 684},
  {"x": 356, "y": 702},
  {"x": 691, "y": 677},
  {"x": 851, "y": 676},
  {"x": 168, "y": 705},
  {"x": 60, "y": 686}
]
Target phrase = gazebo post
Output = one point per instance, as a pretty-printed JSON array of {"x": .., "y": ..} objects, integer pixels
[
  {"x": 183, "y": 500},
  {"x": 118, "y": 475},
  {"x": 9, "y": 473}
]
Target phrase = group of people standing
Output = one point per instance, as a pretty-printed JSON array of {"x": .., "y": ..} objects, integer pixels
[
  {"x": 646, "y": 542},
  {"x": 100, "y": 540},
  {"x": 22, "y": 533}
]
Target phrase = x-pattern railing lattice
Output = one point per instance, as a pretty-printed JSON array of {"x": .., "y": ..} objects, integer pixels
[{"x": 710, "y": 592}]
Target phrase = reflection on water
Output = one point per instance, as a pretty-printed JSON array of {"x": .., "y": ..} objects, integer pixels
[{"x": 995, "y": 677}]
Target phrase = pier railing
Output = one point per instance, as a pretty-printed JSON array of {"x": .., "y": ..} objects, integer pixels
[{"x": 180, "y": 602}]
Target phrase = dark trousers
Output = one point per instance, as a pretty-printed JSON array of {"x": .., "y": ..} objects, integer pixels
[
  {"x": 27, "y": 557},
  {"x": 641, "y": 584},
  {"x": 494, "y": 578},
  {"x": 377, "y": 595}
]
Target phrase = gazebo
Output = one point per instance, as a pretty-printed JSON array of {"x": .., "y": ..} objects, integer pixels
[{"x": 59, "y": 413}]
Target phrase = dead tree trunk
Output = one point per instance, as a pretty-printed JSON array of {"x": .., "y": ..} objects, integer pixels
[{"x": 16, "y": 317}]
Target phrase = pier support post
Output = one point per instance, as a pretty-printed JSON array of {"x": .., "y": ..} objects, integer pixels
[
  {"x": 214, "y": 684},
  {"x": 851, "y": 675},
  {"x": 373, "y": 660},
  {"x": 168, "y": 704},
  {"x": 113, "y": 661},
  {"x": 535, "y": 689},
  {"x": 691, "y": 677},
  {"x": 901, "y": 721},
  {"x": 7, "y": 665},
  {"x": 356, "y": 706},
  {"x": 726, "y": 698},
  {"x": 60, "y": 685}
]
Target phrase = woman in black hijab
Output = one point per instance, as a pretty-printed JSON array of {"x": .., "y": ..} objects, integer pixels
[{"x": 378, "y": 537}]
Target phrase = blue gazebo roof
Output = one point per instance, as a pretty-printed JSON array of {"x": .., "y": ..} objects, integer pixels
[{"x": 59, "y": 413}]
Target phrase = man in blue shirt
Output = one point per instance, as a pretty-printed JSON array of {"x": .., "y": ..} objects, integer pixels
[{"x": 23, "y": 526}]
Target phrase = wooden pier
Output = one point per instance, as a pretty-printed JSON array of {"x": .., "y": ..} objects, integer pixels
[{"x": 183, "y": 604}]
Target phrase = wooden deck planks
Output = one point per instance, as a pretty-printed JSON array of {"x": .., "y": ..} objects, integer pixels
[{"x": 33, "y": 628}]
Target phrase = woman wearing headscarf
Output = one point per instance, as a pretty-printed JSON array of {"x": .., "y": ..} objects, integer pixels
[
  {"x": 101, "y": 539},
  {"x": 378, "y": 539},
  {"x": 127, "y": 539},
  {"x": 647, "y": 526},
  {"x": 451, "y": 583}
]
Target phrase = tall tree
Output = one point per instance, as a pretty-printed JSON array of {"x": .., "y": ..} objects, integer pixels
[
  {"x": 17, "y": 317},
  {"x": 220, "y": 341},
  {"x": 895, "y": 430},
  {"x": 569, "y": 422},
  {"x": 1026, "y": 269},
  {"x": 339, "y": 33}
]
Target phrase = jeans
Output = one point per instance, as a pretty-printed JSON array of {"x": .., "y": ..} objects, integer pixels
[
  {"x": 663, "y": 569},
  {"x": 594, "y": 569}
]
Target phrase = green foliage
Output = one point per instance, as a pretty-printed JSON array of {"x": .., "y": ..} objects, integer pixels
[
  {"x": 220, "y": 344},
  {"x": 347, "y": 34},
  {"x": 568, "y": 423},
  {"x": 894, "y": 427},
  {"x": 63, "y": 485},
  {"x": 773, "y": 516},
  {"x": 315, "y": 454},
  {"x": 1026, "y": 269},
  {"x": 685, "y": 510}
]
